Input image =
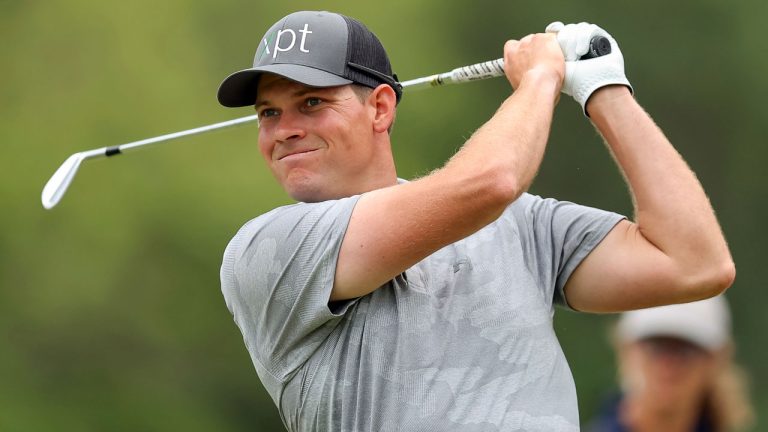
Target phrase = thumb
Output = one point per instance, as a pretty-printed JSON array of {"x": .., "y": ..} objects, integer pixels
[{"x": 554, "y": 27}]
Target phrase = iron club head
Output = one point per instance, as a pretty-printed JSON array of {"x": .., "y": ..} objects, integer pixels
[{"x": 60, "y": 180}]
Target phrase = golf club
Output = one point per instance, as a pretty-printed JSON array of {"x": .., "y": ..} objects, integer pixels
[{"x": 60, "y": 180}]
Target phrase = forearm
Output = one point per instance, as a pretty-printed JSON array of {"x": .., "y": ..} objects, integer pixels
[
  {"x": 672, "y": 210},
  {"x": 491, "y": 170},
  {"x": 508, "y": 149},
  {"x": 393, "y": 228}
]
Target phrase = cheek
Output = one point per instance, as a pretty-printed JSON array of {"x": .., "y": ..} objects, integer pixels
[
  {"x": 633, "y": 369},
  {"x": 357, "y": 136},
  {"x": 265, "y": 147}
]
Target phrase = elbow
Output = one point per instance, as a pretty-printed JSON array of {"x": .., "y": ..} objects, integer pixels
[
  {"x": 725, "y": 276},
  {"x": 485, "y": 191},
  {"x": 711, "y": 281},
  {"x": 502, "y": 188}
]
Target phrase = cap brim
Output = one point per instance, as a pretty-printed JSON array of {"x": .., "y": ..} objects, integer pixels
[
  {"x": 705, "y": 323},
  {"x": 239, "y": 89},
  {"x": 689, "y": 334}
]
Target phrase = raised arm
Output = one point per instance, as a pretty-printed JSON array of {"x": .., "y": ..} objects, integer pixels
[
  {"x": 674, "y": 251},
  {"x": 393, "y": 228}
]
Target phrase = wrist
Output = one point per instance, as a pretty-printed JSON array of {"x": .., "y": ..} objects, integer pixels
[
  {"x": 548, "y": 81},
  {"x": 605, "y": 98}
]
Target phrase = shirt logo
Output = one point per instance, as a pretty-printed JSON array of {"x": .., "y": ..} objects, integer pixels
[{"x": 282, "y": 40}]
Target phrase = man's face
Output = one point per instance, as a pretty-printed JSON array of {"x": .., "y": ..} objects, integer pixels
[{"x": 317, "y": 142}]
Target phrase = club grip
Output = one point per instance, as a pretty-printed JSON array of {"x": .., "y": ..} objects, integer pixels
[{"x": 598, "y": 46}]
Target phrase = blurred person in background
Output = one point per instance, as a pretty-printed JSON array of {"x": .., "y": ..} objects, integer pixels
[{"x": 676, "y": 372}]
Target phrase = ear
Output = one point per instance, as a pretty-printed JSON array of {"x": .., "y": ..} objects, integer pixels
[{"x": 383, "y": 99}]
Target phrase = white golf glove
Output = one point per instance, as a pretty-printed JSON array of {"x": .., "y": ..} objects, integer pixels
[{"x": 583, "y": 77}]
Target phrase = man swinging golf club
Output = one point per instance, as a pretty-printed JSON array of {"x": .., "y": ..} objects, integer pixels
[{"x": 376, "y": 304}]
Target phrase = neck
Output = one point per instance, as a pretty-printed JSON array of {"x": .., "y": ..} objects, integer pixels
[{"x": 380, "y": 171}]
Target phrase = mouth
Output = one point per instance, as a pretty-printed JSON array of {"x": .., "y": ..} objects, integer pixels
[{"x": 296, "y": 154}]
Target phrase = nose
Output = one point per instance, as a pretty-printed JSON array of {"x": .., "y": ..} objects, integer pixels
[{"x": 289, "y": 127}]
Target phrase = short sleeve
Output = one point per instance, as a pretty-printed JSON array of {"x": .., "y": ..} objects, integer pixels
[
  {"x": 557, "y": 235},
  {"x": 277, "y": 275}
]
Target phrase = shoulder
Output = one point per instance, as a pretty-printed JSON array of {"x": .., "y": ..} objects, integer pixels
[
  {"x": 295, "y": 213},
  {"x": 534, "y": 208},
  {"x": 524, "y": 203},
  {"x": 290, "y": 224},
  {"x": 529, "y": 204},
  {"x": 529, "y": 208},
  {"x": 287, "y": 218}
]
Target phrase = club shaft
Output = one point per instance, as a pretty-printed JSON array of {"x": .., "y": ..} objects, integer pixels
[
  {"x": 59, "y": 182},
  {"x": 176, "y": 135},
  {"x": 475, "y": 72}
]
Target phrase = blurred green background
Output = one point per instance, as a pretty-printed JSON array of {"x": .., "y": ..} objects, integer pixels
[{"x": 111, "y": 316}]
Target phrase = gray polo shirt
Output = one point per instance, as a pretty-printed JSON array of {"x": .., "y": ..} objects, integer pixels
[{"x": 461, "y": 341}]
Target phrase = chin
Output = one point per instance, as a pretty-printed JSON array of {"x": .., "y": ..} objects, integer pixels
[
  {"x": 306, "y": 198},
  {"x": 307, "y": 192},
  {"x": 315, "y": 188}
]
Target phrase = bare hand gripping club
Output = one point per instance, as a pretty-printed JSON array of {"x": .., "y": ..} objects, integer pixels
[{"x": 57, "y": 185}]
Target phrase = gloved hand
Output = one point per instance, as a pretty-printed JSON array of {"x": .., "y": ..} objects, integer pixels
[{"x": 583, "y": 77}]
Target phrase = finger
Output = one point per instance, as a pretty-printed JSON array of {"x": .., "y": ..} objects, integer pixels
[
  {"x": 569, "y": 39},
  {"x": 554, "y": 27},
  {"x": 511, "y": 46},
  {"x": 586, "y": 32}
]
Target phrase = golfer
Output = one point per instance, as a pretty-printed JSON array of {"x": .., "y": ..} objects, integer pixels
[{"x": 378, "y": 304}]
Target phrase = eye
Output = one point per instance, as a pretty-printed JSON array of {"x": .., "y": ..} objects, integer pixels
[
  {"x": 313, "y": 101},
  {"x": 268, "y": 112}
]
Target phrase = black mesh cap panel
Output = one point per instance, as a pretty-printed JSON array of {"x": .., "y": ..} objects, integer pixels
[{"x": 365, "y": 49}]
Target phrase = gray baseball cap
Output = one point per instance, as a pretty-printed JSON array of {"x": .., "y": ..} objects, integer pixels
[{"x": 318, "y": 49}]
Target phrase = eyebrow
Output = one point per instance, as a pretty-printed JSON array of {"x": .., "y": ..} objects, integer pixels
[{"x": 296, "y": 94}]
